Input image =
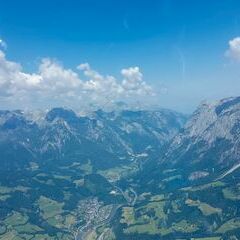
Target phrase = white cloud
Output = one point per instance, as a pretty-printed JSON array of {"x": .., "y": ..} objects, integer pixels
[
  {"x": 54, "y": 85},
  {"x": 100, "y": 85},
  {"x": 234, "y": 49},
  {"x": 3, "y": 44},
  {"x": 133, "y": 82},
  {"x": 13, "y": 79}
]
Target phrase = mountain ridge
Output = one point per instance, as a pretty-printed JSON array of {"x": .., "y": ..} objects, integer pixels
[{"x": 54, "y": 132}]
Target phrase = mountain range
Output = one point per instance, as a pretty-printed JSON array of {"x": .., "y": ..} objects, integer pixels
[
  {"x": 108, "y": 138},
  {"x": 149, "y": 174}
]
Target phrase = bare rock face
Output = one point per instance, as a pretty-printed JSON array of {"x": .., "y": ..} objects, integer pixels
[{"x": 210, "y": 139}]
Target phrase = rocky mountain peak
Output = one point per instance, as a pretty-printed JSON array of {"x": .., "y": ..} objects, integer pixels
[{"x": 210, "y": 138}]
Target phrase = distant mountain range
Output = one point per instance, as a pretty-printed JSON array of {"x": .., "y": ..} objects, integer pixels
[
  {"x": 107, "y": 138},
  {"x": 202, "y": 146}
]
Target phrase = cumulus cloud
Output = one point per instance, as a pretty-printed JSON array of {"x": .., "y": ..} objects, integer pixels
[
  {"x": 12, "y": 79},
  {"x": 234, "y": 49},
  {"x": 54, "y": 85},
  {"x": 98, "y": 84},
  {"x": 133, "y": 82},
  {"x": 3, "y": 44}
]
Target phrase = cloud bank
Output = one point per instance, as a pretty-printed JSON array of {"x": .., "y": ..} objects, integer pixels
[{"x": 54, "y": 85}]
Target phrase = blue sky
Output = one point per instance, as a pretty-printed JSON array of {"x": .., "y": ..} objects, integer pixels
[{"x": 179, "y": 46}]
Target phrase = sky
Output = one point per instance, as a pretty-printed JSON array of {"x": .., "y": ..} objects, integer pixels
[{"x": 81, "y": 53}]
